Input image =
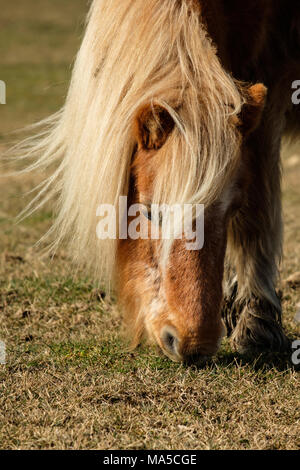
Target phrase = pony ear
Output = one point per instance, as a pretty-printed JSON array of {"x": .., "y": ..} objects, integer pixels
[
  {"x": 153, "y": 125},
  {"x": 252, "y": 110}
]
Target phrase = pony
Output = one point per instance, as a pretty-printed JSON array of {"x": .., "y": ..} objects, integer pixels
[{"x": 179, "y": 102}]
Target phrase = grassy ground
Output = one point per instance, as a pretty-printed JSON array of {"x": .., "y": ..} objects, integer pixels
[{"x": 68, "y": 382}]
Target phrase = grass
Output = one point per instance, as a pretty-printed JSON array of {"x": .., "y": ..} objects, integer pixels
[{"x": 69, "y": 382}]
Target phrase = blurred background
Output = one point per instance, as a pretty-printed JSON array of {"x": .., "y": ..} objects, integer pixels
[{"x": 38, "y": 42}]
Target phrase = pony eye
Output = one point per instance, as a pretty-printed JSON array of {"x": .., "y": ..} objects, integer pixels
[
  {"x": 154, "y": 217},
  {"x": 148, "y": 214}
]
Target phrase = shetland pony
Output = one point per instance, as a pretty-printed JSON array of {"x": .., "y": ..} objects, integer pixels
[{"x": 180, "y": 101}]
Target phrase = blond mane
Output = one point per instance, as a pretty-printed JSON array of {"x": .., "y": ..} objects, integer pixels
[{"x": 135, "y": 52}]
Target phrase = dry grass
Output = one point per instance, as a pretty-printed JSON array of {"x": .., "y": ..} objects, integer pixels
[{"x": 68, "y": 382}]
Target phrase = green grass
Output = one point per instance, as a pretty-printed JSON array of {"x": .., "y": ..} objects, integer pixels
[
  {"x": 38, "y": 41},
  {"x": 41, "y": 290},
  {"x": 32, "y": 91}
]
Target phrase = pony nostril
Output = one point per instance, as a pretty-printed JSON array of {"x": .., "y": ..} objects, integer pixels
[{"x": 170, "y": 340}]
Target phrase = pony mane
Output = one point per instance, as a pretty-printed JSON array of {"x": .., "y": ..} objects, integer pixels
[{"x": 135, "y": 52}]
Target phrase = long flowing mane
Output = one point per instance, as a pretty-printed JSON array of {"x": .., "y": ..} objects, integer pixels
[{"x": 135, "y": 52}]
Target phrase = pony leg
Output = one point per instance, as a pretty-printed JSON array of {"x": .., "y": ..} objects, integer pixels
[
  {"x": 252, "y": 309},
  {"x": 255, "y": 325}
]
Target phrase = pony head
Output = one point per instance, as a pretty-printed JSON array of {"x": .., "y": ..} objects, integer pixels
[
  {"x": 171, "y": 292},
  {"x": 152, "y": 115}
]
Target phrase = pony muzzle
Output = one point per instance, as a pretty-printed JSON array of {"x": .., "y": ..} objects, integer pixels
[{"x": 183, "y": 350}]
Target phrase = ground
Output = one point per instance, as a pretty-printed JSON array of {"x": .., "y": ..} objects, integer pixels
[{"x": 69, "y": 382}]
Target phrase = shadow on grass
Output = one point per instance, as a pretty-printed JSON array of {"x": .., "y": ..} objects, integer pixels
[{"x": 257, "y": 362}]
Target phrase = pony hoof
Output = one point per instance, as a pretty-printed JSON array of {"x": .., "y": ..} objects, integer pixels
[{"x": 259, "y": 329}]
